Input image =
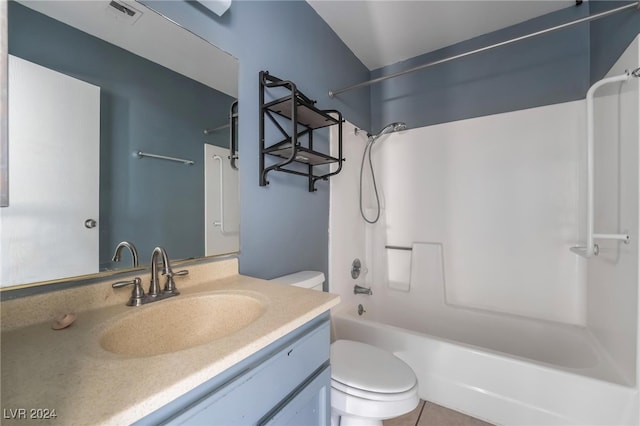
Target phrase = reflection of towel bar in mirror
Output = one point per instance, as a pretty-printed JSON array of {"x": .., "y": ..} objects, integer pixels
[
  {"x": 220, "y": 223},
  {"x": 215, "y": 129},
  {"x": 141, "y": 154},
  {"x": 222, "y": 126}
]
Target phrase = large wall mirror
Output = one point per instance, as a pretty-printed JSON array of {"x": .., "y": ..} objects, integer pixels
[{"x": 119, "y": 130}]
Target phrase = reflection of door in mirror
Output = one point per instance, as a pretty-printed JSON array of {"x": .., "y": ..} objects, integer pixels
[
  {"x": 221, "y": 204},
  {"x": 54, "y": 176}
]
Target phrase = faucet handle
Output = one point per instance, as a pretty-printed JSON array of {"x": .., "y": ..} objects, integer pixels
[
  {"x": 137, "y": 294},
  {"x": 135, "y": 282},
  {"x": 170, "y": 285}
]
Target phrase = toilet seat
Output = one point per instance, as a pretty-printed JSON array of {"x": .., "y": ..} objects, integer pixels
[
  {"x": 362, "y": 369},
  {"x": 373, "y": 396},
  {"x": 369, "y": 384}
]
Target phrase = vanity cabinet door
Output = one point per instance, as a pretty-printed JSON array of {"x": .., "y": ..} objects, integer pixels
[
  {"x": 291, "y": 373},
  {"x": 309, "y": 406}
]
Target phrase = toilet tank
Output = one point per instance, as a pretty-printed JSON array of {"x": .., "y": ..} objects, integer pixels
[{"x": 306, "y": 279}]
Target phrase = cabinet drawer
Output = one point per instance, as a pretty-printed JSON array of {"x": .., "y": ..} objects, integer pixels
[
  {"x": 247, "y": 398},
  {"x": 309, "y": 406}
]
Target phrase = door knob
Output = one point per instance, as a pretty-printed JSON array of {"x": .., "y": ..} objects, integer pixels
[{"x": 90, "y": 223}]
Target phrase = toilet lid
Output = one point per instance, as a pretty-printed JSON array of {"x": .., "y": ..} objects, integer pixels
[{"x": 369, "y": 368}]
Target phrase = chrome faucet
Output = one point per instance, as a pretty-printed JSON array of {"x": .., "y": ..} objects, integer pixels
[
  {"x": 138, "y": 297},
  {"x": 154, "y": 287},
  {"x": 170, "y": 286},
  {"x": 362, "y": 290},
  {"x": 132, "y": 249}
]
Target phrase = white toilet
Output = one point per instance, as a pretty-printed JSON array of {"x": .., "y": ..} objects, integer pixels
[{"x": 368, "y": 384}]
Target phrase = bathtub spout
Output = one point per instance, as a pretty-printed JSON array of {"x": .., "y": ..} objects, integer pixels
[{"x": 362, "y": 290}]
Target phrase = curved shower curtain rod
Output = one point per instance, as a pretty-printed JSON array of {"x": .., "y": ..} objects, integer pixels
[{"x": 636, "y": 5}]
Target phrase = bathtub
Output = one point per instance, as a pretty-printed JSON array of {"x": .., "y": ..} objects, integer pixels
[{"x": 493, "y": 366}]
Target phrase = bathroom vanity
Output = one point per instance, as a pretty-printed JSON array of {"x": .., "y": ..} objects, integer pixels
[
  {"x": 273, "y": 369},
  {"x": 286, "y": 383}
]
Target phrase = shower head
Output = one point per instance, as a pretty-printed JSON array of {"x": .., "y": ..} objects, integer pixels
[{"x": 393, "y": 127}]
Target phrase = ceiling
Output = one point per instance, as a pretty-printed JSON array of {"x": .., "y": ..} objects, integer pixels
[
  {"x": 147, "y": 34},
  {"x": 383, "y": 32}
]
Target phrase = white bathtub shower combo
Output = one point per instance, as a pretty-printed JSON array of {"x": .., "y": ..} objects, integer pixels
[{"x": 501, "y": 272}]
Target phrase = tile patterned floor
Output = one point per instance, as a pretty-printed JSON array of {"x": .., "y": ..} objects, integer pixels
[{"x": 428, "y": 414}]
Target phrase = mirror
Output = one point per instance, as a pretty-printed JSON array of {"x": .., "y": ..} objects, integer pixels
[{"x": 93, "y": 84}]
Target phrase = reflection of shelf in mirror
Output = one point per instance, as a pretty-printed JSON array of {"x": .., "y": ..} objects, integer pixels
[
  {"x": 303, "y": 155},
  {"x": 307, "y": 114}
]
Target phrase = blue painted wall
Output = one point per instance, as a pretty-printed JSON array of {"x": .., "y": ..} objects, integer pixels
[
  {"x": 552, "y": 68},
  {"x": 610, "y": 36},
  {"x": 284, "y": 228},
  {"x": 544, "y": 70},
  {"x": 143, "y": 106}
]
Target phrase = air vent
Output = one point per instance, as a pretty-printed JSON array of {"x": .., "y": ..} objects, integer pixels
[{"x": 123, "y": 12}]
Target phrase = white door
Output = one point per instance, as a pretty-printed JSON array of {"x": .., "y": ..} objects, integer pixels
[
  {"x": 54, "y": 148},
  {"x": 221, "y": 204}
]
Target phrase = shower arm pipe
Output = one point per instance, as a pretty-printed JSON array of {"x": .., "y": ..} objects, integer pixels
[
  {"x": 591, "y": 248},
  {"x": 333, "y": 93}
]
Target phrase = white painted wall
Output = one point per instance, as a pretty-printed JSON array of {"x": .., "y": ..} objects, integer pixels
[{"x": 613, "y": 275}]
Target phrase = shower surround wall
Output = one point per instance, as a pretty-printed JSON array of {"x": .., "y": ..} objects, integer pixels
[{"x": 500, "y": 193}]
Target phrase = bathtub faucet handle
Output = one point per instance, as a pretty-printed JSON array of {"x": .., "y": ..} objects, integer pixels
[
  {"x": 362, "y": 290},
  {"x": 356, "y": 266}
]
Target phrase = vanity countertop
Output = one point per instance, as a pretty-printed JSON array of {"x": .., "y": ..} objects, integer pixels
[{"x": 68, "y": 371}]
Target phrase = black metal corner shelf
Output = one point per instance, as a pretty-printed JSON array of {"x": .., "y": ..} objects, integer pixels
[{"x": 300, "y": 110}]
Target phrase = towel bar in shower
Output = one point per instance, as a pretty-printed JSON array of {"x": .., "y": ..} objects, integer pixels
[
  {"x": 591, "y": 248},
  {"x": 595, "y": 250}
]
